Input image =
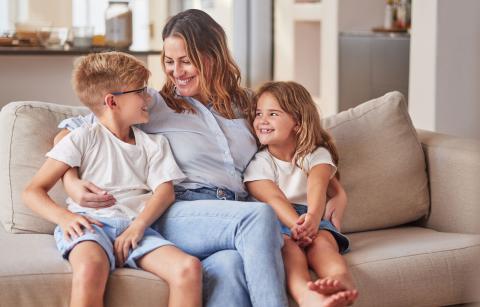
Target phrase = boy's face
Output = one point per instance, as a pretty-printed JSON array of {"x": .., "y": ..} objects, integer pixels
[{"x": 132, "y": 104}]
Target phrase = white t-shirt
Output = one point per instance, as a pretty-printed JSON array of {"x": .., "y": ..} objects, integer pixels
[
  {"x": 291, "y": 179},
  {"x": 129, "y": 172}
]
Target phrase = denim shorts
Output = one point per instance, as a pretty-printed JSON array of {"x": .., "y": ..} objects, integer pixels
[
  {"x": 106, "y": 235},
  {"x": 342, "y": 241}
]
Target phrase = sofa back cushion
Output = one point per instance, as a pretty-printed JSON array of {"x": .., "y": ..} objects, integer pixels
[
  {"x": 27, "y": 130},
  {"x": 382, "y": 165}
]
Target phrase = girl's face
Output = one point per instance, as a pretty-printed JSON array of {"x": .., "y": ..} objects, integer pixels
[
  {"x": 273, "y": 126},
  {"x": 180, "y": 69}
]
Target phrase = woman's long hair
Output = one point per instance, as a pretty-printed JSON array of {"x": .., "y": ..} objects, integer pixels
[
  {"x": 295, "y": 100},
  {"x": 206, "y": 45}
]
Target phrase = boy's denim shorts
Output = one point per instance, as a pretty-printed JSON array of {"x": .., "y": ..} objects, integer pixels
[
  {"x": 106, "y": 235},
  {"x": 342, "y": 241}
]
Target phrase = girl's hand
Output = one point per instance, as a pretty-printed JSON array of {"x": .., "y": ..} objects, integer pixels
[
  {"x": 85, "y": 193},
  {"x": 308, "y": 225},
  {"x": 72, "y": 225},
  {"x": 128, "y": 240}
]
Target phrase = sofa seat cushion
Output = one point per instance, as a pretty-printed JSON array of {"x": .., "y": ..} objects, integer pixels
[
  {"x": 34, "y": 274},
  {"x": 414, "y": 266},
  {"x": 382, "y": 165}
]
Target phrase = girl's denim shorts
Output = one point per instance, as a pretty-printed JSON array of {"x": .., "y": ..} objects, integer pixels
[{"x": 342, "y": 241}]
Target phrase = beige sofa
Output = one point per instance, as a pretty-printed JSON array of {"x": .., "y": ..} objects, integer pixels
[{"x": 414, "y": 204}]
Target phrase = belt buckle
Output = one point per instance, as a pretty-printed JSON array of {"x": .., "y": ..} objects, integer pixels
[{"x": 221, "y": 194}]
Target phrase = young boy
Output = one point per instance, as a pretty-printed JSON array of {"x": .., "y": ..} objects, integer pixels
[{"x": 136, "y": 168}]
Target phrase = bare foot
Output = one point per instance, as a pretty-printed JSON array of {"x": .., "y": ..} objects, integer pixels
[
  {"x": 339, "y": 299},
  {"x": 326, "y": 286}
]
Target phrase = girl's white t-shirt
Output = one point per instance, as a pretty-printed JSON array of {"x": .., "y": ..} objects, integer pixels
[{"x": 291, "y": 179}]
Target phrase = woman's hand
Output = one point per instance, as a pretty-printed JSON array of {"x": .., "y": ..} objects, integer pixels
[
  {"x": 85, "y": 193},
  {"x": 336, "y": 205},
  {"x": 72, "y": 225},
  {"x": 128, "y": 240}
]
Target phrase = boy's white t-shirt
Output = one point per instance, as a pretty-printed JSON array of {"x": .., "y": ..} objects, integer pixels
[
  {"x": 291, "y": 179},
  {"x": 129, "y": 172}
]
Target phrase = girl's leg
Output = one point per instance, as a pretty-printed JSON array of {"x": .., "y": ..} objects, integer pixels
[
  {"x": 330, "y": 266},
  {"x": 203, "y": 227},
  {"x": 182, "y": 272},
  {"x": 298, "y": 277},
  {"x": 224, "y": 281},
  {"x": 90, "y": 266}
]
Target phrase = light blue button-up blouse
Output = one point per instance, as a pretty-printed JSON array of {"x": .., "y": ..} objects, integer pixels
[{"x": 211, "y": 150}]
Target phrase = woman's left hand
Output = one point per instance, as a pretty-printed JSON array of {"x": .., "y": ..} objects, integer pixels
[{"x": 126, "y": 241}]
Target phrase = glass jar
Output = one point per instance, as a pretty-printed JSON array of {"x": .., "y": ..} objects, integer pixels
[{"x": 118, "y": 24}]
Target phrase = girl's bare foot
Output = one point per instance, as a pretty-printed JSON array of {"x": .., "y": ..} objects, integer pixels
[{"x": 326, "y": 286}]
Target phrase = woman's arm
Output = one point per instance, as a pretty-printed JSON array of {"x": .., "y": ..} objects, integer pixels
[
  {"x": 337, "y": 203},
  {"x": 161, "y": 199},
  {"x": 83, "y": 192},
  {"x": 36, "y": 197}
]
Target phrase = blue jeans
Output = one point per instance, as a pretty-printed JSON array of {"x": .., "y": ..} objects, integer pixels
[{"x": 239, "y": 242}]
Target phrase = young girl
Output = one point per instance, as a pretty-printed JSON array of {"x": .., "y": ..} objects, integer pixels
[{"x": 295, "y": 172}]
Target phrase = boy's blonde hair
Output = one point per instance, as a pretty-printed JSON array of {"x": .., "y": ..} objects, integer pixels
[
  {"x": 295, "y": 100},
  {"x": 97, "y": 74}
]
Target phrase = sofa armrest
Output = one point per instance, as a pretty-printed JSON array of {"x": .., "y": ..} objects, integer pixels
[{"x": 453, "y": 166}]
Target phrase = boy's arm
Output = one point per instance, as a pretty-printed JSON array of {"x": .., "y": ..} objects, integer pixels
[
  {"x": 83, "y": 192},
  {"x": 337, "y": 203},
  {"x": 36, "y": 197},
  {"x": 162, "y": 198}
]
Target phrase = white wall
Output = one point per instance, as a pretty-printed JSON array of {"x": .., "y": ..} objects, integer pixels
[{"x": 445, "y": 67}]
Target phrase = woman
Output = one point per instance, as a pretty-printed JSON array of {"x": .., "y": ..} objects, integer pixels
[{"x": 200, "y": 110}]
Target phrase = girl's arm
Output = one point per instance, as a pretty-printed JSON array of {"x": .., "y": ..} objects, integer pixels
[
  {"x": 268, "y": 192},
  {"x": 317, "y": 184},
  {"x": 83, "y": 192},
  {"x": 337, "y": 203},
  {"x": 162, "y": 198},
  {"x": 36, "y": 197}
]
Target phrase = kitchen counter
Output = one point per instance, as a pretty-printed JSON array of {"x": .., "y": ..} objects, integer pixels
[
  {"x": 68, "y": 51},
  {"x": 35, "y": 73}
]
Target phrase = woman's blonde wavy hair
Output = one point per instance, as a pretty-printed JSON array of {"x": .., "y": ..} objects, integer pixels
[
  {"x": 206, "y": 45},
  {"x": 295, "y": 100}
]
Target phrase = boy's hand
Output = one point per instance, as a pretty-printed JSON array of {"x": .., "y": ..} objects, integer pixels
[
  {"x": 128, "y": 240},
  {"x": 307, "y": 226},
  {"x": 72, "y": 225}
]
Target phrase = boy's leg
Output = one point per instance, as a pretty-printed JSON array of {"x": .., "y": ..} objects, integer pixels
[
  {"x": 330, "y": 266},
  {"x": 204, "y": 227},
  {"x": 224, "y": 281},
  {"x": 90, "y": 266},
  {"x": 182, "y": 272}
]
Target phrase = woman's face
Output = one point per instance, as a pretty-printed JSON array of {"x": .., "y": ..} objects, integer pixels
[{"x": 180, "y": 69}]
